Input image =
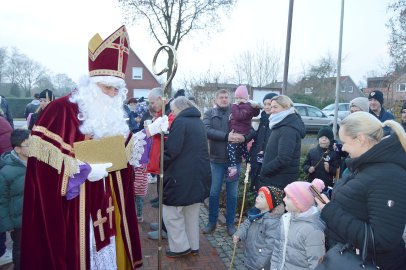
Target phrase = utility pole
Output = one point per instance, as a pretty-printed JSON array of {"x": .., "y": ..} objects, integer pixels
[
  {"x": 287, "y": 50},
  {"x": 340, "y": 45}
]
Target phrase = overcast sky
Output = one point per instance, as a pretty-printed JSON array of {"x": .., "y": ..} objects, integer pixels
[{"x": 56, "y": 33}]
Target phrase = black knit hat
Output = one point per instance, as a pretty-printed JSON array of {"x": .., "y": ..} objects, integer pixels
[
  {"x": 326, "y": 131},
  {"x": 47, "y": 94},
  {"x": 376, "y": 94},
  {"x": 180, "y": 92},
  {"x": 269, "y": 96},
  {"x": 273, "y": 195}
]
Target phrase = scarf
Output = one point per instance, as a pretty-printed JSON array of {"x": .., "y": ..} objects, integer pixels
[{"x": 278, "y": 117}]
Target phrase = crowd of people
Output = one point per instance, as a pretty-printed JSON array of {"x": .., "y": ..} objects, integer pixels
[{"x": 69, "y": 208}]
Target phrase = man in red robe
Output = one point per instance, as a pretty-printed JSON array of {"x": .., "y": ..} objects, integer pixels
[{"x": 75, "y": 214}]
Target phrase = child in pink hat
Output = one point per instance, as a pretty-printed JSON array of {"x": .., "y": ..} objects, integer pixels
[
  {"x": 302, "y": 240},
  {"x": 242, "y": 112}
]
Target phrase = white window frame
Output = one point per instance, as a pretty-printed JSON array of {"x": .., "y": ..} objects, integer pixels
[
  {"x": 137, "y": 73},
  {"x": 308, "y": 90},
  {"x": 350, "y": 89},
  {"x": 399, "y": 86}
]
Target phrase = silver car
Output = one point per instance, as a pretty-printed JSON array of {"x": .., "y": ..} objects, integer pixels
[
  {"x": 314, "y": 118},
  {"x": 343, "y": 110}
]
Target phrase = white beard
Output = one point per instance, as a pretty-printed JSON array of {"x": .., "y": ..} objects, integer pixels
[{"x": 101, "y": 115}]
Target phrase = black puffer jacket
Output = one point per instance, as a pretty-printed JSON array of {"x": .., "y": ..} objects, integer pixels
[
  {"x": 260, "y": 137},
  {"x": 316, "y": 158},
  {"x": 187, "y": 177},
  {"x": 282, "y": 154},
  {"x": 373, "y": 192}
]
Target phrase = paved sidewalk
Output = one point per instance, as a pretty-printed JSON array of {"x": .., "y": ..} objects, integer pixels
[{"x": 215, "y": 249}]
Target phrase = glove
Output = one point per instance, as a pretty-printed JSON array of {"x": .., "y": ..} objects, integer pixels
[
  {"x": 160, "y": 124},
  {"x": 98, "y": 171}
]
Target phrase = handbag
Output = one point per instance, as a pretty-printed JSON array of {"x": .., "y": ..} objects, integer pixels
[{"x": 342, "y": 256}]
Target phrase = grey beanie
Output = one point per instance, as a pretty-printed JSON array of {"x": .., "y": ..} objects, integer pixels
[{"x": 360, "y": 102}]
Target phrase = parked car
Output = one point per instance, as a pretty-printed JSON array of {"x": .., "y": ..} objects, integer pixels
[
  {"x": 314, "y": 118},
  {"x": 343, "y": 110}
]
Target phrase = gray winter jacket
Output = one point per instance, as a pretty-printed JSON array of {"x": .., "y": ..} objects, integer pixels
[
  {"x": 259, "y": 237},
  {"x": 303, "y": 245}
]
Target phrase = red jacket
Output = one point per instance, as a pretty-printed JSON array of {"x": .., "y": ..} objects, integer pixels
[{"x": 5, "y": 133}]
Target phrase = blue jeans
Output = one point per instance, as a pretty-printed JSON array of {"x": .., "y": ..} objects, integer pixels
[{"x": 218, "y": 174}]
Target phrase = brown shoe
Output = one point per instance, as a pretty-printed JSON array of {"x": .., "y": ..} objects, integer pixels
[{"x": 194, "y": 252}]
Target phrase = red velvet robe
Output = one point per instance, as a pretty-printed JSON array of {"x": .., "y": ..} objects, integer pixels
[{"x": 55, "y": 231}]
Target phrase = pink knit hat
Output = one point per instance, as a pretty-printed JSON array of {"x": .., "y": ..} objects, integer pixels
[
  {"x": 241, "y": 92},
  {"x": 300, "y": 194}
]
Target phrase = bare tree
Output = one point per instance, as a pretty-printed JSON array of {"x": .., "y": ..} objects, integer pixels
[
  {"x": 3, "y": 62},
  {"x": 259, "y": 67},
  {"x": 63, "y": 84},
  {"x": 397, "y": 40},
  {"x": 170, "y": 21},
  {"x": 23, "y": 72}
]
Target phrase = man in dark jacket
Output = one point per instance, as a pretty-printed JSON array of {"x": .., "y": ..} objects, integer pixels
[
  {"x": 376, "y": 108},
  {"x": 32, "y": 106},
  {"x": 6, "y": 110},
  {"x": 216, "y": 122}
]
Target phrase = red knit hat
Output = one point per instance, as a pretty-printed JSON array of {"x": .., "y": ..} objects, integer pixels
[
  {"x": 109, "y": 57},
  {"x": 300, "y": 194},
  {"x": 273, "y": 196},
  {"x": 241, "y": 92}
]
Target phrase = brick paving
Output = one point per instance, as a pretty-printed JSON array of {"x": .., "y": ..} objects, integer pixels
[{"x": 215, "y": 249}]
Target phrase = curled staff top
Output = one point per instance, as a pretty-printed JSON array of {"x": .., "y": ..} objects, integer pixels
[{"x": 170, "y": 50}]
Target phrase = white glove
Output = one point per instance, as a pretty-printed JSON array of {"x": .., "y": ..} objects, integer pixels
[
  {"x": 99, "y": 171},
  {"x": 160, "y": 124}
]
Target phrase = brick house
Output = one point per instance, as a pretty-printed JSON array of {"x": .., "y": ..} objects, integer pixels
[
  {"x": 138, "y": 78},
  {"x": 324, "y": 88},
  {"x": 393, "y": 89}
]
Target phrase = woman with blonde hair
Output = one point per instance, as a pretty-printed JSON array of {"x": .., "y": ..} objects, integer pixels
[
  {"x": 281, "y": 163},
  {"x": 373, "y": 192}
]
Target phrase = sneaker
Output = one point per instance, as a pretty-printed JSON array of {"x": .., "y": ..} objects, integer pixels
[
  {"x": 7, "y": 257},
  {"x": 231, "y": 230},
  {"x": 210, "y": 227},
  {"x": 172, "y": 254},
  {"x": 232, "y": 172},
  {"x": 151, "y": 179},
  {"x": 154, "y": 226},
  {"x": 154, "y": 235}
]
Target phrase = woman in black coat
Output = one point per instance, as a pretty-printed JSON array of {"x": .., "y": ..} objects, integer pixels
[
  {"x": 373, "y": 192},
  {"x": 186, "y": 179},
  {"x": 260, "y": 137},
  {"x": 281, "y": 163},
  {"x": 45, "y": 97}
]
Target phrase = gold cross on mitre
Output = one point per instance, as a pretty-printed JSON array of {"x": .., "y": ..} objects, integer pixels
[{"x": 109, "y": 57}]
